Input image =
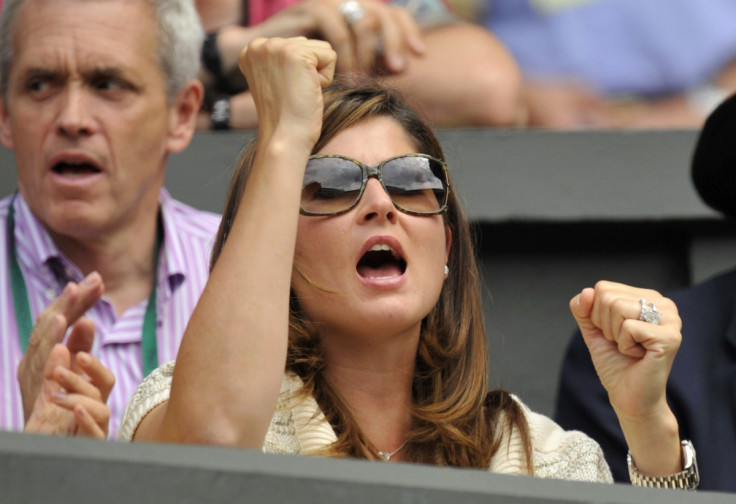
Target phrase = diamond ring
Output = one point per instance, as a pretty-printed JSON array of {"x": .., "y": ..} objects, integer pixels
[
  {"x": 649, "y": 312},
  {"x": 352, "y": 11}
]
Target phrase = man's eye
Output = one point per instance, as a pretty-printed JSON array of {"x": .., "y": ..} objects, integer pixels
[
  {"x": 38, "y": 85},
  {"x": 108, "y": 84}
]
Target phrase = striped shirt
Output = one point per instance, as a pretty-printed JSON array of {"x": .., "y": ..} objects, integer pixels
[{"x": 182, "y": 273}]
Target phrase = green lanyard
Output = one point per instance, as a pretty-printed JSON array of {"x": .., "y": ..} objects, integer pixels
[{"x": 23, "y": 311}]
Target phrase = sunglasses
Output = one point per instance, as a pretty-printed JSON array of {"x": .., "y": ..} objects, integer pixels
[{"x": 417, "y": 184}]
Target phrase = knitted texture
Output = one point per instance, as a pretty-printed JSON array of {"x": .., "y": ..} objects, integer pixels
[{"x": 299, "y": 427}]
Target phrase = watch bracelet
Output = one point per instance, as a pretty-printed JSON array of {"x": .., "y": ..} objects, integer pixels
[
  {"x": 687, "y": 479},
  {"x": 220, "y": 114},
  {"x": 683, "y": 480}
]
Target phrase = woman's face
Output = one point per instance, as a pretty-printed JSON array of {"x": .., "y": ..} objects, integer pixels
[{"x": 363, "y": 288}]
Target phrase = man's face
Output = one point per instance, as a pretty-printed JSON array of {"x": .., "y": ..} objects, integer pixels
[{"x": 87, "y": 114}]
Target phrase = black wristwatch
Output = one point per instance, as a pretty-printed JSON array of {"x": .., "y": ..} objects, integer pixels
[{"x": 212, "y": 61}]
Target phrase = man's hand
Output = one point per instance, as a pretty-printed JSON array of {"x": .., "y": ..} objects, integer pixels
[
  {"x": 72, "y": 401},
  {"x": 50, "y": 328},
  {"x": 376, "y": 36}
]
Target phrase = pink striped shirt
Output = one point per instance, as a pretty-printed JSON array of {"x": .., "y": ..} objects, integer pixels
[{"x": 182, "y": 273}]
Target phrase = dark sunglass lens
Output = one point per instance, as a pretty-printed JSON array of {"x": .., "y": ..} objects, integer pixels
[
  {"x": 416, "y": 183},
  {"x": 330, "y": 185}
]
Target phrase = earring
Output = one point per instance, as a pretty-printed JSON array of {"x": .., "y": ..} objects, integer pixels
[{"x": 447, "y": 270}]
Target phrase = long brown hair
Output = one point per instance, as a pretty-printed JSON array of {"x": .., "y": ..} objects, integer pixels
[{"x": 455, "y": 420}]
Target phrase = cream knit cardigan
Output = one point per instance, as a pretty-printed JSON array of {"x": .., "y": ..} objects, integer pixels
[{"x": 299, "y": 427}]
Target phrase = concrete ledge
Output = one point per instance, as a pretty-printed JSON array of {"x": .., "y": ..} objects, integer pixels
[
  {"x": 572, "y": 176},
  {"x": 79, "y": 471}
]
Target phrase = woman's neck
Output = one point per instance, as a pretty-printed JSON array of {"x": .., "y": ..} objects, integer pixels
[{"x": 378, "y": 392}]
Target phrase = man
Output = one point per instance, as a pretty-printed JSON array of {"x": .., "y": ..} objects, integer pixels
[
  {"x": 95, "y": 95},
  {"x": 702, "y": 385}
]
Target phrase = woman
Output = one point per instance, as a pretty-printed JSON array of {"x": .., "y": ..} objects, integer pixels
[{"x": 371, "y": 299}]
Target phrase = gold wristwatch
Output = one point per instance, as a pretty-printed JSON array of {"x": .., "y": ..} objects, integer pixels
[{"x": 687, "y": 479}]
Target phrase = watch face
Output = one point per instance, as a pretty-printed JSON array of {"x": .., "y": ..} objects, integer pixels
[{"x": 690, "y": 464}]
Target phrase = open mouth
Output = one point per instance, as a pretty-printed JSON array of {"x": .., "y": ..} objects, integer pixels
[
  {"x": 68, "y": 169},
  {"x": 381, "y": 261}
]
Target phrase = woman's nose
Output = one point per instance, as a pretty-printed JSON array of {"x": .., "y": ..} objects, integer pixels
[{"x": 376, "y": 203}]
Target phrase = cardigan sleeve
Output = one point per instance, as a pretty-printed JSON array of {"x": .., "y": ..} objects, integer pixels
[
  {"x": 569, "y": 455},
  {"x": 154, "y": 390},
  {"x": 298, "y": 425},
  {"x": 556, "y": 453}
]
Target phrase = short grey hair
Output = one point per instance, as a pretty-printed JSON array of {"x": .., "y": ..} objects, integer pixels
[{"x": 179, "y": 42}]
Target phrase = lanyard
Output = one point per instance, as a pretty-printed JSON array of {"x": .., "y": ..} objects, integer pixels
[{"x": 23, "y": 311}]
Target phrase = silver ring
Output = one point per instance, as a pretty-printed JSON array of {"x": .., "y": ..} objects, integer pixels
[
  {"x": 649, "y": 312},
  {"x": 352, "y": 11}
]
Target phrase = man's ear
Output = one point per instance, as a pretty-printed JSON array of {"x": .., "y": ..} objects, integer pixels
[
  {"x": 183, "y": 115},
  {"x": 5, "y": 137}
]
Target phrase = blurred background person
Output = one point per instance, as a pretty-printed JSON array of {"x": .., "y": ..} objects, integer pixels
[
  {"x": 455, "y": 72},
  {"x": 619, "y": 63}
]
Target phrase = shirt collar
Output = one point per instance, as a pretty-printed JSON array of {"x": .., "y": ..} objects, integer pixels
[
  {"x": 39, "y": 248},
  {"x": 40, "y": 251},
  {"x": 173, "y": 264}
]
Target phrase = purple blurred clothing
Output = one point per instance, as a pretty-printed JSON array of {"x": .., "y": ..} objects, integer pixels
[{"x": 619, "y": 47}]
